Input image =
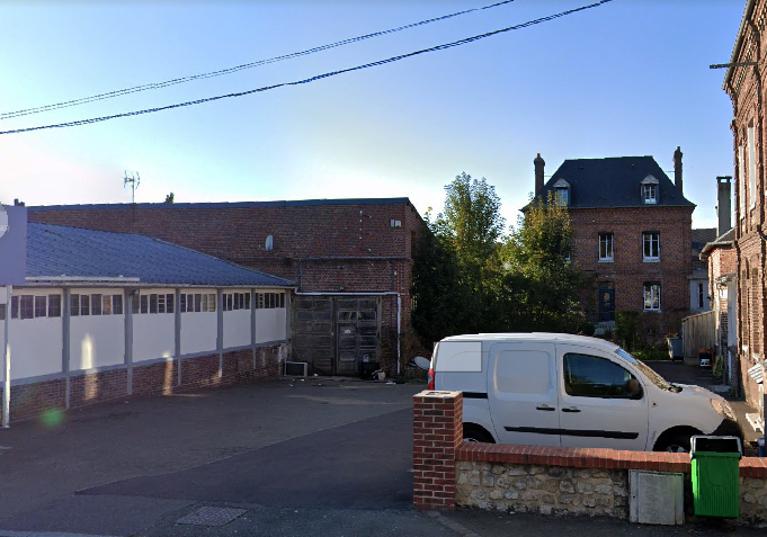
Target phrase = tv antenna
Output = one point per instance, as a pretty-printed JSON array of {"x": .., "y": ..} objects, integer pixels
[{"x": 134, "y": 181}]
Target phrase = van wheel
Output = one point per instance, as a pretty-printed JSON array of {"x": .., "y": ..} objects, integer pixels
[
  {"x": 675, "y": 441},
  {"x": 476, "y": 433}
]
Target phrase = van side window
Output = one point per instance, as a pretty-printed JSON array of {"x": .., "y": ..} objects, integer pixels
[
  {"x": 523, "y": 372},
  {"x": 591, "y": 376}
]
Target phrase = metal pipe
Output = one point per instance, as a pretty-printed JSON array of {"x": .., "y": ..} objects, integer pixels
[{"x": 7, "y": 361}]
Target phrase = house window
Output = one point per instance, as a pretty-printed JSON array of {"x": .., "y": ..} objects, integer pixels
[
  {"x": 144, "y": 304},
  {"x": 562, "y": 196},
  {"x": 14, "y": 307},
  {"x": 27, "y": 307},
  {"x": 117, "y": 304},
  {"x": 54, "y": 305},
  {"x": 106, "y": 305},
  {"x": 751, "y": 140},
  {"x": 95, "y": 304},
  {"x": 606, "y": 247},
  {"x": 85, "y": 305},
  {"x": 41, "y": 306},
  {"x": 741, "y": 182},
  {"x": 700, "y": 296},
  {"x": 650, "y": 194},
  {"x": 651, "y": 246},
  {"x": 652, "y": 297},
  {"x": 74, "y": 305}
]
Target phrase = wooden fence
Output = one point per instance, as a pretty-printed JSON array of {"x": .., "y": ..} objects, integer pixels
[{"x": 698, "y": 332}]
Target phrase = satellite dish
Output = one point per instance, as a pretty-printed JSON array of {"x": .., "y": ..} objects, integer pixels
[
  {"x": 422, "y": 363},
  {"x": 3, "y": 221}
]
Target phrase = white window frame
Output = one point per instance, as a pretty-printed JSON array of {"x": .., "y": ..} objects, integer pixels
[
  {"x": 650, "y": 194},
  {"x": 751, "y": 140},
  {"x": 655, "y": 292},
  {"x": 653, "y": 236},
  {"x": 608, "y": 239},
  {"x": 741, "y": 181}
]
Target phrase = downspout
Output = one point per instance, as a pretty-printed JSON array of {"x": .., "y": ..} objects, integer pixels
[
  {"x": 7, "y": 361},
  {"x": 370, "y": 293}
]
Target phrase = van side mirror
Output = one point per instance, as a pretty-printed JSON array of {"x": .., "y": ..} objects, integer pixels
[{"x": 633, "y": 389}]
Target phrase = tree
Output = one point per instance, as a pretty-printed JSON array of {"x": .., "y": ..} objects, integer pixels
[{"x": 170, "y": 198}]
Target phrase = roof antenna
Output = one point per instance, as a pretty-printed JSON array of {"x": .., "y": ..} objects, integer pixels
[{"x": 134, "y": 181}]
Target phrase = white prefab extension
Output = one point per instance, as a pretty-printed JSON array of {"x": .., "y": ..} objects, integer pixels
[{"x": 97, "y": 302}]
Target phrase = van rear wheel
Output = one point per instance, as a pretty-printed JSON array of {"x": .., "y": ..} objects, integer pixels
[{"x": 476, "y": 433}]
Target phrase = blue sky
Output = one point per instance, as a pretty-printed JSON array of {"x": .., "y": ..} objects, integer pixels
[{"x": 628, "y": 78}]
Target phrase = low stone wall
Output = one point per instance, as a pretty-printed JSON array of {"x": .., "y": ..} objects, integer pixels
[
  {"x": 536, "y": 479},
  {"x": 162, "y": 377},
  {"x": 542, "y": 489}
]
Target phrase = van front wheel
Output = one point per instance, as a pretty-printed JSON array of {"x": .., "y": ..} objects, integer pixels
[
  {"x": 476, "y": 433},
  {"x": 676, "y": 440}
]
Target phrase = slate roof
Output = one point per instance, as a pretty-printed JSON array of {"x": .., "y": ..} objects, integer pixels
[
  {"x": 724, "y": 240},
  {"x": 701, "y": 237},
  {"x": 230, "y": 204},
  {"x": 614, "y": 182},
  {"x": 54, "y": 251}
]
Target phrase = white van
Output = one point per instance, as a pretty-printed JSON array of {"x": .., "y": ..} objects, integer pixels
[{"x": 571, "y": 391}]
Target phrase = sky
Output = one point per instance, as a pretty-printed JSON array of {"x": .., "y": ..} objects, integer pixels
[{"x": 628, "y": 78}]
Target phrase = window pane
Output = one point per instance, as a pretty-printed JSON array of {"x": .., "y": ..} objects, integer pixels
[
  {"x": 106, "y": 305},
  {"x": 95, "y": 304},
  {"x": 211, "y": 302},
  {"x": 169, "y": 300},
  {"x": 2, "y": 314},
  {"x": 27, "y": 307},
  {"x": 591, "y": 376},
  {"x": 41, "y": 306},
  {"x": 282, "y": 300},
  {"x": 135, "y": 308},
  {"x": 74, "y": 305},
  {"x": 247, "y": 301},
  {"x": 260, "y": 301},
  {"x": 14, "y": 307},
  {"x": 198, "y": 302},
  {"x": 160, "y": 303},
  {"x": 144, "y": 304},
  {"x": 182, "y": 302},
  {"x": 153, "y": 303},
  {"x": 85, "y": 305},
  {"x": 54, "y": 305},
  {"x": 117, "y": 304}
]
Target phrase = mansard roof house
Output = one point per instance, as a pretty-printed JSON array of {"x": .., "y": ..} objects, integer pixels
[{"x": 631, "y": 234}]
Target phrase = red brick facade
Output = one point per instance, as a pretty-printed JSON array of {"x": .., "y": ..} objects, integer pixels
[
  {"x": 157, "y": 378},
  {"x": 331, "y": 246},
  {"x": 628, "y": 273},
  {"x": 746, "y": 87}
]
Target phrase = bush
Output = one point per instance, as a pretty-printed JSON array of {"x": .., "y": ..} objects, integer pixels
[{"x": 627, "y": 328}]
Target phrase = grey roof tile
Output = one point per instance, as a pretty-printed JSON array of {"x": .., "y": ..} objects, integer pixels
[{"x": 54, "y": 251}]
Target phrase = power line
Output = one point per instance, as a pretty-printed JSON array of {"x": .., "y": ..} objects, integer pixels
[
  {"x": 314, "y": 78},
  {"x": 236, "y": 68}
]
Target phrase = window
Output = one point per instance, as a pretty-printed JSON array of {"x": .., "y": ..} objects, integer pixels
[
  {"x": 3, "y": 307},
  {"x": 606, "y": 247},
  {"x": 41, "y": 306},
  {"x": 106, "y": 305},
  {"x": 54, "y": 305},
  {"x": 651, "y": 246},
  {"x": 650, "y": 194},
  {"x": 96, "y": 304},
  {"x": 170, "y": 301},
  {"x": 651, "y": 297},
  {"x": 85, "y": 305},
  {"x": 741, "y": 182},
  {"x": 117, "y": 304},
  {"x": 562, "y": 196},
  {"x": 182, "y": 303},
  {"x": 27, "y": 307},
  {"x": 211, "y": 302},
  {"x": 751, "y": 141},
  {"x": 591, "y": 376},
  {"x": 144, "y": 304},
  {"x": 198, "y": 302},
  {"x": 74, "y": 305},
  {"x": 700, "y": 296},
  {"x": 14, "y": 307}
]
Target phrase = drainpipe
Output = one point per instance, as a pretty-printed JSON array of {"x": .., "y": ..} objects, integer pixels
[
  {"x": 7, "y": 361},
  {"x": 378, "y": 293}
]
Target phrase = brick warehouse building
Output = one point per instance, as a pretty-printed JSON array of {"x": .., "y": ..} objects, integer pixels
[
  {"x": 631, "y": 236},
  {"x": 745, "y": 84},
  {"x": 351, "y": 261}
]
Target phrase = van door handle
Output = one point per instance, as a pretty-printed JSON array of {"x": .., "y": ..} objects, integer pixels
[
  {"x": 571, "y": 409},
  {"x": 545, "y": 408}
]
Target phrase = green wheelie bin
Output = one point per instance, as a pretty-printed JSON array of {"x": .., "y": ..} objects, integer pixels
[{"x": 715, "y": 475}]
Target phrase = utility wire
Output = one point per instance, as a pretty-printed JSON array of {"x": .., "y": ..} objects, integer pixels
[
  {"x": 314, "y": 78},
  {"x": 236, "y": 68}
]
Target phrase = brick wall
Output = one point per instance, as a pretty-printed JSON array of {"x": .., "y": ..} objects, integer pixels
[
  {"x": 743, "y": 85},
  {"x": 547, "y": 480},
  {"x": 157, "y": 378},
  {"x": 628, "y": 272}
]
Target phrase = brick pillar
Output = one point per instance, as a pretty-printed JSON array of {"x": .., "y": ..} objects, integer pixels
[{"x": 437, "y": 433}]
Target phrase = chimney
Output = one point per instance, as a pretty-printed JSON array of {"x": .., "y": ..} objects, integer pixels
[
  {"x": 678, "y": 168},
  {"x": 539, "y": 163},
  {"x": 723, "y": 204}
]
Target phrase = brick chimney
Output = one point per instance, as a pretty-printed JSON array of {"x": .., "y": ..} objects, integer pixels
[
  {"x": 723, "y": 204},
  {"x": 678, "y": 168},
  {"x": 539, "y": 163}
]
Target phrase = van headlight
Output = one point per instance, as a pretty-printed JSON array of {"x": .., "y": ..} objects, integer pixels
[{"x": 723, "y": 408}]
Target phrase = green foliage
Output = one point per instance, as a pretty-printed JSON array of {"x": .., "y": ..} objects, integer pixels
[
  {"x": 469, "y": 277},
  {"x": 170, "y": 198},
  {"x": 627, "y": 329}
]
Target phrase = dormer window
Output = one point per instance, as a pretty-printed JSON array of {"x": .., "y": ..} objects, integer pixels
[
  {"x": 650, "y": 190},
  {"x": 562, "y": 193}
]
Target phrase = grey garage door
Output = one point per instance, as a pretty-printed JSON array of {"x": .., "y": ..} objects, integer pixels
[{"x": 336, "y": 334}]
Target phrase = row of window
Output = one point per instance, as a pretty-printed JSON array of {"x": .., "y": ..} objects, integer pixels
[
  {"x": 650, "y": 247},
  {"x": 32, "y": 307},
  {"x": 648, "y": 191}
]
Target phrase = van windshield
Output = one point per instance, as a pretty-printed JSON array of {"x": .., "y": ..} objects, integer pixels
[{"x": 648, "y": 371}]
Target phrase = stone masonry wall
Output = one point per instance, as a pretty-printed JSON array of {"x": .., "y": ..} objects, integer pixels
[{"x": 542, "y": 489}]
